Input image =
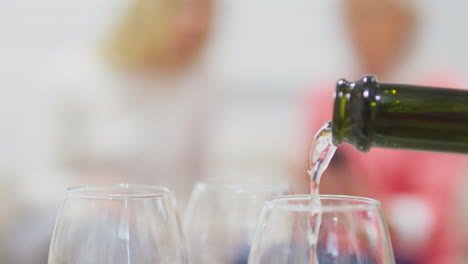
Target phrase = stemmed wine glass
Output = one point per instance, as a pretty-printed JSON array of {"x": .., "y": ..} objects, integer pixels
[
  {"x": 118, "y": 224},
  {"x": 352, "y": 231},
  {"x": 221, "y": 218}
]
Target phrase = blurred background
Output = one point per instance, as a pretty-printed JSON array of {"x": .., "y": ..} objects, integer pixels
[{"x": 169, "y": 92}]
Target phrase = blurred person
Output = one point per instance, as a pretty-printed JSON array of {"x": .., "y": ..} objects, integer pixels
[
  {"x": 134, "y": 110},
  {"x": 137, "y": 113},
  {"x": 417, "y": 189}
]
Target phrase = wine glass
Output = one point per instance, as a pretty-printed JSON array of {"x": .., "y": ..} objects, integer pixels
[
  {"x": 221, "y": 218},
  {"x": 118, "y": 224},
  {"x": 352, "y": 231}
]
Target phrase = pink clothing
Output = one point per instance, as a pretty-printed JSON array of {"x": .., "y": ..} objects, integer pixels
[{"x": 428, "y": 180}]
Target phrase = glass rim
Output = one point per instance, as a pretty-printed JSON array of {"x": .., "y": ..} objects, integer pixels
[
  {"x": 243, "y": 187},
  {"x": 98, "y": 191},
  {"x": 358, "y": 203}
]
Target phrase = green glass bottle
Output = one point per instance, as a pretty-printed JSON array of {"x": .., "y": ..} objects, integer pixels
[{"x": 369, "y": 114}]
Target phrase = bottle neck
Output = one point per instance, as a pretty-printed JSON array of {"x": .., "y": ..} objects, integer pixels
[
  {"x": 368, "y": 113},
  {"x": 354, "y": 109}
]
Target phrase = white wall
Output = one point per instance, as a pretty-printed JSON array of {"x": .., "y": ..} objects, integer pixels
[{"x": 294, "y": 41}]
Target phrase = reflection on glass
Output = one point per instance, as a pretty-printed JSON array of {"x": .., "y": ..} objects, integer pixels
[
  {"x": 221, "y": 219},
  {"x": 352, "y": 231},
  {"x": 118, "y": 224}
]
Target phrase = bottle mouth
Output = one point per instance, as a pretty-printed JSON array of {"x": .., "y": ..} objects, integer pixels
[
  {"x": 341, "y": 97},
  {"x": 352, "y": 111}
]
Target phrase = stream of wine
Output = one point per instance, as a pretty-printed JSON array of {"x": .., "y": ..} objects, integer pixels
[{"x": 320, "y": 154}]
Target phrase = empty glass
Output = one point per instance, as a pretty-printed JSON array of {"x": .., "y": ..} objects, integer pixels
[
  {"x": 352, "y": 231},
  {"x": 221, "y": 218},
  {"x": 118, "y": 224}
]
